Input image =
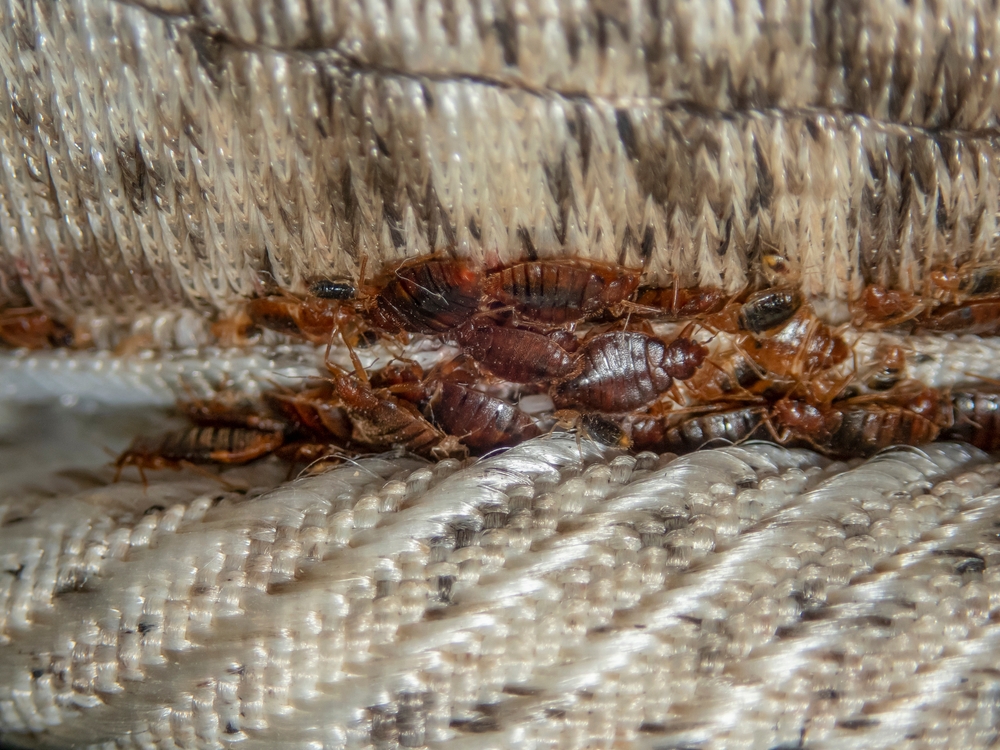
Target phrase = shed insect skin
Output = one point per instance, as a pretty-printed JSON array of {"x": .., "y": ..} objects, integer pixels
[
  {"x": 561, "y": 291},
  {"x": 515, "y": 354},
  {"x": 768, "y": 309},
  {"x": 200, "y": 445},
  {"x": 976, "y": 419},
  {"x": 312, "y": 318},
  {"x": 619, "y": 371},
  {"x": 425, "y": 295},
  {"x": 314, "y": 411},
  {"x": 380, "y": 421}
]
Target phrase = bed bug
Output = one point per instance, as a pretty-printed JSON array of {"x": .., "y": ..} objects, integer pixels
[
  {"x": 860, "y": 427},
  {"x": 31, "y": 328},
  {"x": 803, "y": 346},
  {"x": 229, "y": 410},
  {"x": 878, "y": 307},
  {"x": 730, "y": 427},
  {"x": 312, "y": 318},
  {"x": 768, "y": 309},
  {"x": 515, "y": 354},
  {"x": 480, "y": 421},
  {"x": 431, "y": 294},
  {"x": 561, "y": 291},
  {"x": 976, "y": 419},
  {"x": 199, "y": 445},
  {"x": 979, "y": 318},
  {"x": 380, "y": 421},
  {"x": 680, "y": 303},
  {"x": 620, "y": 371},
  {"x": 967, "y": 282}
]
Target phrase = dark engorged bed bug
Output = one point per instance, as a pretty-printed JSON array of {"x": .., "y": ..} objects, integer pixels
[
  {"x": 619, "y": 371},
  {"x": 425, "y": 295},
  {"x": 729, "y": 427},
  {"x": 515, "y": 354},
  {"x": 335, "y": 289},
  {"x": 199, "y": 445},
  {"x": 976, "y": 419},
  {"x": 768, "y": 309},
  {"x": 680, "y": 303},
  {"x": 561, "y": 291},
  {"x": 480, "y": 421}
]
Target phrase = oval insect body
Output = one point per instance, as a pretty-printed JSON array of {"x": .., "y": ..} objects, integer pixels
[
  {"x": 768, "y": 309},
  {"x": 480, "y": 421},
  {"x": 680, "y": 303},
  {"x": 514, "y": 354},
  {"x": 619, "y": 372},
  {"x": 561, "y": 291},
  {"x": 979, "y": 318},
  {"x": 200, "y": 445},
  {"x": 429, "y": 295}
]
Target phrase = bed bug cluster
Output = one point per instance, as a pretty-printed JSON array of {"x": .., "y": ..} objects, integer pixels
[{"x": 586, "y": 337}]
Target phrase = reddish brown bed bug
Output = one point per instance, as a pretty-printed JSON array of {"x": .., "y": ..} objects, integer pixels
[
  {"x": 802, "y": 347},
  {"x": 979, "y": 318},
  {"x": 680, "y": 303},
  {"x": 878, "y": 307},
  {"x": 768, "y": 309},
  {"x": 432, "y": 294},
  {"x": 199, "y": 445},
  {"x": 230, "y": 410},
  {"x": 381, "y": 421},
  {"x": 513, "y": 353},
  {"x": 965, "y": 283},
  {"x": 976, "y": 419},
  {"x": 561, "y": 291},
  {"x": 31, "y": 328},
  {"x": 312, "y": 318},
  {"x": 619, "y": 371},
  {"x": 480, "y": 421}
]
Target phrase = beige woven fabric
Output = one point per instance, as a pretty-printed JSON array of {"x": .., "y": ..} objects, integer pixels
[
  {"x": 552, "y": 596},
  {"x": 156, "y": 156},
  {"x": 159, "y": 162}
]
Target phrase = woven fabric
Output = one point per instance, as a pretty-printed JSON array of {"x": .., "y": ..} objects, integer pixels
[
  {"x": 155, "y": 157},
  {"x": 553, "y": 596},
  {"x": 162, "y": 161}
]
